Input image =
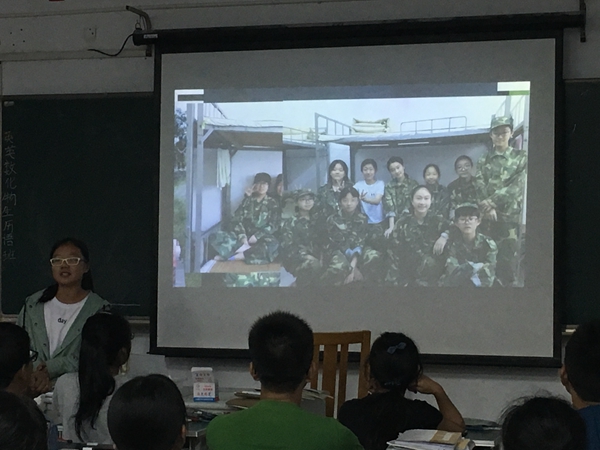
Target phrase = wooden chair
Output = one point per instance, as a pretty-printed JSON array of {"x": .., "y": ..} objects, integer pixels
[{"x": 334, "y": 366}]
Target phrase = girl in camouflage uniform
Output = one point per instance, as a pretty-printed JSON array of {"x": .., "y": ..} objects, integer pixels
[
  {"x": 440, "y": 199},
  {"x": 328, "y": 195},
  {"x": 349, "y": 258},
  {"x": 252, "y": 225},
  {"x": 417, "y": 242},
  {"x": 300, "y": 251},
  {"x": 466, "y": 188}
]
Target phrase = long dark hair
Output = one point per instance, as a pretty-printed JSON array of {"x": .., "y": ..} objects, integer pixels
[
  {"x": 395, "y": 364},
  {"x": 330, "y": 168},
  {"x": 102, "y": 338},
  {"x": 86, "y": 282}
]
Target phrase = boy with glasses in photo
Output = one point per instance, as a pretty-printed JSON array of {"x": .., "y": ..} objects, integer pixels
[{"x": 471, "y": 255}]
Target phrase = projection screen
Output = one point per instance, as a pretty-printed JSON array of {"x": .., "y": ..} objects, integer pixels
[{"x": 463, "y": 266}]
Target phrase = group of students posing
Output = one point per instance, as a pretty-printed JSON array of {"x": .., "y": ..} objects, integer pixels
[{"x": 399, "y": 233}]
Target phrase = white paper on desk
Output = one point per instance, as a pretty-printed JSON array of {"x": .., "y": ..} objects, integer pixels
[
  {"x": 419, "y": 445},
  {"x": 430, "y": 436}
]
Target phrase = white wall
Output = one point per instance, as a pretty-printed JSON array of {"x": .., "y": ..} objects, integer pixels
[{"x": 43, "y": 50}]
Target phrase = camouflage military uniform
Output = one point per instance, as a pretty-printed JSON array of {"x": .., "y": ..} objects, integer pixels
[
  {"x": 253, "y": 279},
  {"x": 298, "y": 242},
  {"x": 347, "y": 236},
  {"x": 252, "y": 218},
  {"x": 327, "y": 201},
  {"x": 503, "y": 177},
  {"x": 440, "y": 200},
  {"x": 410, "y": 251},
  {"x": 396, "y": 196},
  {"x": 461, "y": 258},
  {"x": 461, "y": 191}
]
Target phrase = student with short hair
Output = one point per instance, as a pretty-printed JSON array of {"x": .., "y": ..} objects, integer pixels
[
  {"x": 371, "y": 192},
  {"x": 466, "y": 188},
  {"x": 82, "y": 398},
  {"x": 580, "y": 374},
  {"x": 471, "y": 257},
  {"x": 281, "y": 348},
  {"x": 542, "y": 423},
  {"x": 22, "y": 424},
  {"x": 394, "y": 366},
  {"x": 16, "y": 360},
  {"x": 147, "y": 413}
]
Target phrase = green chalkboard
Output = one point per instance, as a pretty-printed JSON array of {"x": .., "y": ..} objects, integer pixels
[
  {"x": 85, "y": 167},
  {"x": 579, "y": 278}
]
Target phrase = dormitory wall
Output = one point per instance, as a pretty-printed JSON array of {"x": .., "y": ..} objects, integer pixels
[{"x": 44, "y": 51}]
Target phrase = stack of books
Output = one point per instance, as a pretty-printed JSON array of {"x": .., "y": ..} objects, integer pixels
[{"x": 430, "y": 440}]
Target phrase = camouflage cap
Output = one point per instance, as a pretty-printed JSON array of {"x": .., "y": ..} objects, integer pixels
[
  {"x": 304, "y": 192},
  {"x": 499, "y": 121},
  {"x": 466, "y": 209},
  {"x": 262, "y": 177}
]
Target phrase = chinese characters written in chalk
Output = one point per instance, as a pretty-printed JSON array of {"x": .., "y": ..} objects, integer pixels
[{"x": 9, "y": 195}]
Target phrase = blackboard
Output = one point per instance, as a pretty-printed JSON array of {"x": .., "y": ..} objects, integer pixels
[
  {"x": 580, "y": 281},
  {"x": 84, "y": 167}
]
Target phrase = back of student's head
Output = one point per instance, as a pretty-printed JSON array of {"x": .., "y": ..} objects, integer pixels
[
  {"x": 582, "y": 360},
  {"x": 543, "y": 423},
  {"x": 105, "y": 344},
  {"x": 281, "y": 348},
  {"x": 147, "y": 413},
  {"x": 14, "y": 352},
  {"x": 394, "y": 361},
  {"x": 394, "y": 364},
  {"x": 22, "y": 424}
]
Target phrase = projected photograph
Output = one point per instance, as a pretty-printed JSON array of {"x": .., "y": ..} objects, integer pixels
[{"x": 419, "y": 191}]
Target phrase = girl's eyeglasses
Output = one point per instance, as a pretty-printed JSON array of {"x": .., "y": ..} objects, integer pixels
[{"x": 69, "y": 261}]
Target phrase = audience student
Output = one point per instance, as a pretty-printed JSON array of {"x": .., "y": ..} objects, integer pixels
[
  {"x": 16, "y": 361},
  {"x": 394, "y": 366},
  {"x": 281, "y": 347},
  {"x": 580, "y": 374},
  {"x": 543, "y": 423},
  {"x": 82, "y": 398},
  {"x": 22, "y": 424},
  {"x": 147, "y": 413},
  {"x": 54, "y": 317}
]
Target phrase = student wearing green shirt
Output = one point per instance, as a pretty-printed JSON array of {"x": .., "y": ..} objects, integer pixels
[{"x": 281, "y": 347}]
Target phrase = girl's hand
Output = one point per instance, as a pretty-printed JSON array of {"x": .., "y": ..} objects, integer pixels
[
  {"x": 388, "y": 231},
  {"x": 439, "y": 245},
  {"x": 363, "y": 194},
  {"x": 426, "y": 385},
  {"x": 492, "y": 215},
  {"x": 40, "y": 381}
]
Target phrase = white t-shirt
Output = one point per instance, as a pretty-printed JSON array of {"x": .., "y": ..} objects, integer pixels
[
  {"x": 59, "y": 317},
  {"x": 373, "y": 212}
]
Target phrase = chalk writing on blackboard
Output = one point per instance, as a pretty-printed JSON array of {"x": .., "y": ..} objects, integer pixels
[{"x": 9, "y": 196}]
